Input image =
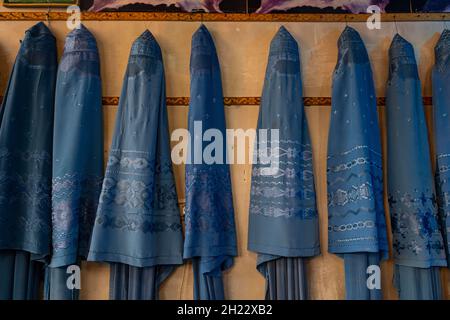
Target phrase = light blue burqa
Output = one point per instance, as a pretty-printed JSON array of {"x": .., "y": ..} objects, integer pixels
[
  {"x": 210, "y": 229},
  {"x": 417, "y": 239},
  {"x": 138, "y": 227},
  {"x": 356, "y": 216},
  {"x": 26, "y": 132},
  {"x": 283, "y": 221}
]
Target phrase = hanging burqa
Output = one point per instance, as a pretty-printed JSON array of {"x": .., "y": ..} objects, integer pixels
[
  {"x": 137, "y": 228},
  {"x": 77, "y": 161},
  {"x": 283, "y": 221},
  {"x": 441, "y": 109},
  {"x": 417, "y": 241},
  {"x": 356, "y": 216},
  {"x": 26, "y": 132},
  {"x": 210, "y": 229}
]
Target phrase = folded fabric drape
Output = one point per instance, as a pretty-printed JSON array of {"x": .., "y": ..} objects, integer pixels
[
  {"x": 20, "y": 275},
  {"x": 77, "y": 158},
  {"x": 441, "y": 112},
  {"x": 418, "y": 283},
  {"x": 138, "y": 221},
  {"x": 25, "y": 165},
  {"x": 135, "y": 283},
  {"x": 283, "y": 221},
  {"x": 209, "y": 215},
  {"x": 356, "y": 216},
  {"x": 417, "y": 239},
  {"x": 286, "y": 277}
]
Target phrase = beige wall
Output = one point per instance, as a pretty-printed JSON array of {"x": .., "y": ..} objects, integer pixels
[{"x": 242, "y": 49}]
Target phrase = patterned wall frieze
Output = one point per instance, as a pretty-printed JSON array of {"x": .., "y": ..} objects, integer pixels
[
  {"x": 252, "y": 17},
  {"x": 249, "y": 101}
]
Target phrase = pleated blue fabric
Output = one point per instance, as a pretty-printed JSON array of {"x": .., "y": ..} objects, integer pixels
[
  {"x": 135, "y": 283},
  {"x": 209, "y": 215},
  {"x": 362, "y": 276},
  {"x": 283, "y": 220},
  {"x": 25, "y": 165},
  {"x": 58, "y": 285},
  {"x": 286, "y": 277},
  {"x": 77, "y": 158},
  {"x": 417, "y": 239},
  {"x": 138, "y": 221},
  {"x": 356, "y": 216},
  {"x": 441, "y": 112},
  {"x": 20, "y": 275},
  {"x": 418, "y": 283}
]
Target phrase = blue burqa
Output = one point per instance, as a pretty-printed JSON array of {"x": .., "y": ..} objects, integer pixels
[
  {"x": 26, "y": 132},
  {"x": 441, "y": 109},
  {"x": 210, "y": 229},
  {"x": 356, "y": 216},
  {"x": 283, "y": 221},
  {"x": 417, "y": 241},
  {"x": 137, "y": 228},
  {"x": 77, "y": 159}
]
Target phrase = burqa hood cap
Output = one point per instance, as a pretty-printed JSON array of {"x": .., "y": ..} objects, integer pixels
[
  {"x": 349, "y": 37},
  {"x": 442, "y": 49},
  {"x": 283, "y": 41},
  {"x": 39, "y": 36},
  {"x": 400, "y": 48},
  {"x": 39, "y": 29},
  {"x": 80, "y": 39},
  {"x": 146, "y": 45},
  {"x": 202, "y": 41},
  {"x": 351, "y": 45}
]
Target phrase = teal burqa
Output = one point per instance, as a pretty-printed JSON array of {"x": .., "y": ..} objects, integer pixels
[
  {"x": 417, "y": 240},
  {"x": 283, "y": 220},
  {"x": 137, "y": 228},
  {"x": 26, "y": 132}
]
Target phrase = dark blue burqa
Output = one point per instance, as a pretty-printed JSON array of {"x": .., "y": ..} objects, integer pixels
[
  {"x": 210, "y": 229},
  {"x": 417, "y": 239},
  {"x": 26, "y": 132},
  {"x": 356, "y": 216},
  {"x": 441, "y": 109},
  {"x": 283, "y": 221},
  {"x": 77, "y": 159},
  {"x": 137, "y": 227}
]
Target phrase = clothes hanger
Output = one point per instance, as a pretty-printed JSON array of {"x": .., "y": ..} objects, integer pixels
[
  {"x": 199, "y": 12},
  {"x": 47, "y": 17},
  {"x": 395, "y": 25}
]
